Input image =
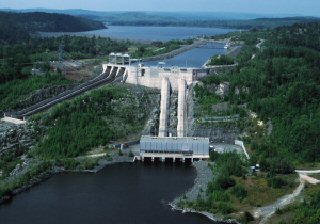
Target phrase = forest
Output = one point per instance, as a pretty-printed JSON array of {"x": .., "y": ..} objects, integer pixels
[
  {"x": 261, "y": 23},
  {"x": 281, "y": 84},
  {"x": 16, "y": 79},
  {"x": 92, "y": 120},
  {"x": 17, "y": 26},
  {"x": 284, "y": 86},
  {"x": 221, "y": 60}
]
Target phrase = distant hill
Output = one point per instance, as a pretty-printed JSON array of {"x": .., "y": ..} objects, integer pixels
[
  {"x": 164, "y": 15},
  {"x": 193, "y": 19},
  {"x": 263, "y": 23},
  {"x": 15, "y": 26}
]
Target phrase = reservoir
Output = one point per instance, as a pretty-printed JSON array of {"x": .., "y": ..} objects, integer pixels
[
  {"x": 149, "y": 34},
  {"x": 195, "y": 57},
  {"x": 119, "y": 194}
]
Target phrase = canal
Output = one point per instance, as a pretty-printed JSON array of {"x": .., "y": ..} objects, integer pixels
[{"x": 195, "y": 57}]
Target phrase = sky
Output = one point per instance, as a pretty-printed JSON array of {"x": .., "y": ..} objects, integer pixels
[{"x": 296, "y": 7}]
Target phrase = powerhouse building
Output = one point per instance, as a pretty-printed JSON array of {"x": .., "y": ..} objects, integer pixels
[{"x": 174, "y": 148}]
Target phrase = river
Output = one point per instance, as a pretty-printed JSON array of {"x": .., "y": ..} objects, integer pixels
[
  {"x": 121, "y": 193},
  {"x": 148, "y": 34}
]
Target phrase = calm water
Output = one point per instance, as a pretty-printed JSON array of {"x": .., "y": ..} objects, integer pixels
[
  {"x": 121, "y": 193},
  {"x": 195, "y": 57},
  {"x": 149, "y": 34}
]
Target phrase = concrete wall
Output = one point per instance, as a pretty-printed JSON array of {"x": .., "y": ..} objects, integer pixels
[
  {"x": 164, "y": 108},
  {"x": 199, "y": 146},
  {"x": 152, "y": 76},
  {"x": 13, "y": 120},
  {"x": 182, "y": 109}
]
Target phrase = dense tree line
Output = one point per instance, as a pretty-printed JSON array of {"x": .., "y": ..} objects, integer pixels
[
  {"x": 17, "y": 26},
  {"x": 221, "y": 60},
  {"x": 309, "y": 211},
  {"x": 16, "y": 57},
  {"x": 161, "y": 48},
  {"x": 284, "y": 86},
  {"x": 14, "y": 92},
  {"x": 263, "y": 23},
  {"x": 92, "y": 120}
]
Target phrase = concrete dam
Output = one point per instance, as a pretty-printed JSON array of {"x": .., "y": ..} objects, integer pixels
[{"x": 168, "y": 80}]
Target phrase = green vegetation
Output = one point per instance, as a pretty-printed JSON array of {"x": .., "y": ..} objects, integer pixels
[
  {"x": 19, "y": 26},
  {"x": 69, "y": 130},
  {"x": 13, "y": 92},
  {"x": 6, "y": 187},
  {"x": 281, "y": 85},
  {"x": 306, "y": 212},
  {"x": 92, "y": 120},
  {"x": 234, "y": 191},
  {"x": 206, "y": 96},
  {"x": 80, "y": 164},
  {"x": 262, "y": 23},
  {"x": 284, "y": 86},
  {"x": 157, "y": 48},
  {"x": 221, "y": 60},
  {"x": 8, "y": 163},
  {"x": 309, "y": 211},
  {"x": 223, "y": 185},
  {"x": 16, "y": 81},
  {"x": 18, "y": 59}
]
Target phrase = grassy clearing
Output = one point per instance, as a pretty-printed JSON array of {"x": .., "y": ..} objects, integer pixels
[{"x": 260, "y": 193}]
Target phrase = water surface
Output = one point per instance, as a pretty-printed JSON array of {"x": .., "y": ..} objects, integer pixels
[
  {"x": 149, "y": 34},
  {"x": 195, "y": 57},
  {"x": 121, "y": 193}
]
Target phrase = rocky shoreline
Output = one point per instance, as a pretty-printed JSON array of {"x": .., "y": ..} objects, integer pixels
[
  {"x": 207, "y": 214},
  {"x": 204, "y": 176},
  {"x": 36, "y": 180},
  {"x": 56, "y": 170}
]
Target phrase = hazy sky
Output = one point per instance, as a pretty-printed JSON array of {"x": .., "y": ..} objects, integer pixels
[{"x": 302, "y": 7}]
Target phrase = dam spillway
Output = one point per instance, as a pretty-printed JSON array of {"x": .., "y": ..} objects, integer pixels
[
  {"x": 182, "y": 109},
  {"x": 164, "y": 108}
]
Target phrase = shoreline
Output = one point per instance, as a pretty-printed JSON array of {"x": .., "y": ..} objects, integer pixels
[
  {"x": 209, "y": 215},
  {"x": 175, "y": 52},
  {"x": 203, "y": 176},
  {"x": 58, "y": 170}
]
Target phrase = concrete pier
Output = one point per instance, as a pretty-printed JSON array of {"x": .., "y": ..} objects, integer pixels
[
  {"x": 182, "y": 109},
  {"x": 164, "y": 108}
]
